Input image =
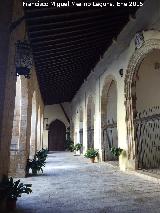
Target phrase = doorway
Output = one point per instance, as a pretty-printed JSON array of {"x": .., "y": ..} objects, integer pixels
[{"x": 56, "y": 136}]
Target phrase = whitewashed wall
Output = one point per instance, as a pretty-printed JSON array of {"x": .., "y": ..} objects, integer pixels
[{"x": 116, "y": 57}]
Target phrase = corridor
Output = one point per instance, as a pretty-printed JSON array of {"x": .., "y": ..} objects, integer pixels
[{"x": 71, "y": 184}]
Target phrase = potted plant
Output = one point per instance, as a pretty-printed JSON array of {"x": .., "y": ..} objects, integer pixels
[
  {"x": 77, "y": 148},
  {"x": 116, "y": 151},
  {"x": 35, "y": 165},
  {"x": 13, "y": 190},
  {"x": 71, "y": 146},
  {"x": 91, "y": 153},
  {"x": 42, "y": 155}
]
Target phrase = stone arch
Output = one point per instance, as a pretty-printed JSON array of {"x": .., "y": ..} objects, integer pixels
[
  {"x": 81, "y": 127},
  {"x": 130, "y": 95},
  {"x": 90, "y": 122},
  {"x": 80, "y": 114},
  {"x": 56, "y": 136},
  {"x": 56, "y": 120},
  {"x": 109, "y": 118},
  {"x": 33, "y": 136}
]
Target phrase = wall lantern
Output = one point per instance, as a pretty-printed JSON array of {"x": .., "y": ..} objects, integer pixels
[
  {"x": 23, "y": 58},
  {"x": 121, "y": 72},
  {"x": 46, "y": 125}
]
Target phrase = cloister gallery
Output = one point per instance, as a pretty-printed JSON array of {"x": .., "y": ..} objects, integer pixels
[{"x": 93, "y": 71}]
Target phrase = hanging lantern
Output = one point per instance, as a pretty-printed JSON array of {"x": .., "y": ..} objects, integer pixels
[
  {"x": 46, "y": 125},
  {"x": 23, "y": 58}
]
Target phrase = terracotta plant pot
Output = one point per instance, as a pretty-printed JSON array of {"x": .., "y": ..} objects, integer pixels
[
  {"x": 92, "y": 160},
  {"x": 11, "y": 204}
]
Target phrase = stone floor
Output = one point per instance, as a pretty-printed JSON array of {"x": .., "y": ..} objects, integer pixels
[{"x": 71, "y": 184}]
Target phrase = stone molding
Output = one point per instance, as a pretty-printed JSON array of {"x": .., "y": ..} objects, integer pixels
[{"x": 130, "y": 91}]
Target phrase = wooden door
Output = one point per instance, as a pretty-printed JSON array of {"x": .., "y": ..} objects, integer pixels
[{"x": 56, "y": 136}]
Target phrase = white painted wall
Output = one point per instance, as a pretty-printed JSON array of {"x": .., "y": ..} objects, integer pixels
[
  {"x": 116, "y": 57},
  {"x": 53, "y": 112},
  {"x": 148, "y": 85}
]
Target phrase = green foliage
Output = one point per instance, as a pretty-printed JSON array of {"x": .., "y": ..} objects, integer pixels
[
  {"x": 36, "y": 165},
  {"x": 116, "y": 151},
  {"x": 91, "y": 153},
  {"x": 78, "y": 146},
  {"x": 13, "y": 189},
  {"x": 38, "y": 162},
  {"x": 69, "y": 145},
  {"x": 42, "y": 155}
]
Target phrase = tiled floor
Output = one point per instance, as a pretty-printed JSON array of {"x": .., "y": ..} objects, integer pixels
[{"x": 71, "y": 184}]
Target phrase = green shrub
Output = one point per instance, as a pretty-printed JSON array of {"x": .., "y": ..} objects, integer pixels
[
  {"x": 116, "y": 151},
  {"x": 37, "y": 162},
  {"x": 91, "y": 153},
  {"x": 78, "y": 146},
  {"x": 42, "y": 155},
  {"x": 69, "y": 145},
  {"x": 13, "y": 189}
]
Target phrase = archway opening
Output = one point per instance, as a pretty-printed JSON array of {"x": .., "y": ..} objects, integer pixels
[
  {"x": 146, "y": 108},
  {"x": 90, "y": 122},
  {"x": 81, "y": 128},
  {"x": 33, "y": 143},
  {"x": 109, "y": 120},
  {"x": 56, "y": 136}
]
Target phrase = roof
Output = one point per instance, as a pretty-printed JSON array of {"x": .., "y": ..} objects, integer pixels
[{"x": 67, "y": 43}]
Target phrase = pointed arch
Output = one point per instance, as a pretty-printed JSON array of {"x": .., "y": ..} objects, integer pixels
[
  {"x": 90, "y": 122},
  {"x": 130, "y": 96},
  {"x": 56, "y": 136},
  {"x": 109, "y": 118}
]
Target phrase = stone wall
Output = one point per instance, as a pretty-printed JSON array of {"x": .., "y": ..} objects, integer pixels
[
  {"x": 5, "y": 17},
  {"x": 14, "y": 161}
]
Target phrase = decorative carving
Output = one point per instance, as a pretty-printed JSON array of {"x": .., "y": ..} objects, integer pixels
[
  {"x": 139, "y": 40},
  {"x": 130, "y": 103}
]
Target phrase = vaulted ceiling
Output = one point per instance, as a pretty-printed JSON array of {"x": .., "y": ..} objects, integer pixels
[{"x": 68, "y": 42}]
